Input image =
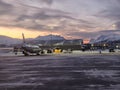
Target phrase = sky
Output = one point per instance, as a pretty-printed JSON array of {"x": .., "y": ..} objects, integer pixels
[{"x": 73, "y": 19}]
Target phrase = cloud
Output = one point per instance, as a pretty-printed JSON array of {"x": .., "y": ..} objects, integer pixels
[
  {"x": 40, "y": 19},
  {"x": 24, "y": 16},
  {"x": 47, "y": 1},
  {"x": 111, "y": 13},
  {"x": 5, "y": 8},
  {"x": 58, "y": 17},
  {"x": 92, "y": 35},
  {"x": 117, "y": 25}
]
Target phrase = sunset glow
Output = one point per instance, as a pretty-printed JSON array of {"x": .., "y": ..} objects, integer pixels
[
  {"x": 17, "y": 32},
  {"x": 86, "y": 41}
]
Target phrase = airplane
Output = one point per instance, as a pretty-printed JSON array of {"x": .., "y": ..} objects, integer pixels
[{"x": 28, "y": 49}]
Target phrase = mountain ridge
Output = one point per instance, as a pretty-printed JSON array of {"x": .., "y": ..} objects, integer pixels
[
  {"x": 50, "y": 37},
  {"x": 10, "y": 41},
  {"x": 106, "y": 38}
]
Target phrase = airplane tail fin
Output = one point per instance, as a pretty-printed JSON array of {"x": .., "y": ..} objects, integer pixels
[{"x": 23, "y": 37}]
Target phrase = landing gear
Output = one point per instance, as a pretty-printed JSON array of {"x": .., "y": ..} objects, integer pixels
[
  {"x": 15, "y": 50},
  {"x": 37, "y": 53},
  {"x": 49, "y": 51},
  {"x": 42, "y": 52},
  {"x": 25, "y": 53}
]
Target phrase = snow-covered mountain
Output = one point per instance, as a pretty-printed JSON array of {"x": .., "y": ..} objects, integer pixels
[
  {"x": 43, "y": 40},
  {"x": 8, "y": 40},
  {"x": 50, "y": 37},
  {"x": 107, "y": 38}
]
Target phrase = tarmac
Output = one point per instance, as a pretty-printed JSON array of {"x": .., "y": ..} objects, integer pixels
[
  {"x": 62, "y": 71},
  {"x": 74, "y": 53}
]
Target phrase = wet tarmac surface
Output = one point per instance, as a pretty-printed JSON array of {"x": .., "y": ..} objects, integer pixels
[{"x": 99, "y": 72}]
